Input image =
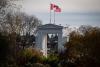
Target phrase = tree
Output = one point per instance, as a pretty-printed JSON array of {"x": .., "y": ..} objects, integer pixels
[
  {"x": 3, "y": 50},
  {"x": 12, "y": 24},
  {"x": 84, "y": 46}
]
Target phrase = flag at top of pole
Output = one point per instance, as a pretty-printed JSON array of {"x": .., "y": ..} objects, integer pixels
[
  {"x": 58, "y": 10},
  {"x": 55, "y": 8}
]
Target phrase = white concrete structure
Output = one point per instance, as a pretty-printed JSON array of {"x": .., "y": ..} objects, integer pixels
[{"x": 41, "y": 37}]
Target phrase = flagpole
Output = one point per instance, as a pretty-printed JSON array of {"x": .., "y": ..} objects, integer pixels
[
  {"x": 50, "y": 16},
  {"x": 50, "y": 11},
  {"x": 54, "y": 16}
]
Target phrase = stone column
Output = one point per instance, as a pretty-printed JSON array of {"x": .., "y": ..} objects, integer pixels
[
  {"x": 44, "y": 44},
  {"x": 60, "y": 45},
  {"x": 39, "y": 40}
]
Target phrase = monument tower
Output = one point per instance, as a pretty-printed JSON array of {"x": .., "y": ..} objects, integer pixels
[{"x": 41, "y": 38}]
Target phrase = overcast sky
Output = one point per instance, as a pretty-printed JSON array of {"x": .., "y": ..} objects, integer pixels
[{"x": 74, "y": 12}]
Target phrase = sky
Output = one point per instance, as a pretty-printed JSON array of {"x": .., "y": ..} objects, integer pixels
[{"x": 74, "y": 12}]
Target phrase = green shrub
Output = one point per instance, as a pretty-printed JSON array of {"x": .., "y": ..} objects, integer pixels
[
  {"x": 51, "y": 60},
  {"x": 28, "y": 55}
]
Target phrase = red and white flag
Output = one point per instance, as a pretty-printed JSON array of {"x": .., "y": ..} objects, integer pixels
[
  {"x": 58, "y": 10},
  {"x": 55, "y": 8}
]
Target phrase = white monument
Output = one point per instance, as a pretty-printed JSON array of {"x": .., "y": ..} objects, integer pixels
[{"x": 41, "y": 37}]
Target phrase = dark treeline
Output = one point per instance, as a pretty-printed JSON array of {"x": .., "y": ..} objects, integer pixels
[
  {"x": 82, "y": 50},
  {"x": 15, "y": 33},
  {"x": 84, "y": 46}
]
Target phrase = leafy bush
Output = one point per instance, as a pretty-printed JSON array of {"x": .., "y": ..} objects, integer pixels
[
  {"x": 51, "y": 60},
  {"x": 28, "y": 55}
]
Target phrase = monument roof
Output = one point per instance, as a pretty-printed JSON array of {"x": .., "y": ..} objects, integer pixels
[{"x": 50, "y": 26}]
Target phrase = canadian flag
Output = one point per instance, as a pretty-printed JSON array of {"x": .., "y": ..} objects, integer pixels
[{"x": 55, "y": 8}]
